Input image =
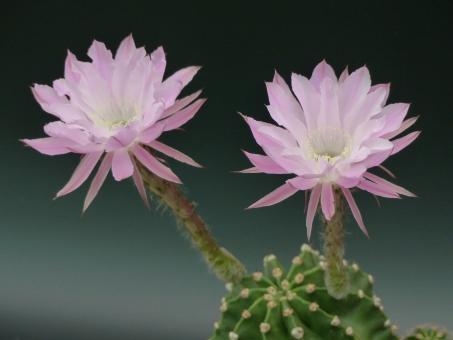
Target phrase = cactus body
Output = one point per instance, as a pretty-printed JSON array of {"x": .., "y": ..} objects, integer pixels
[
  {"x": 275, "y": 305},
  {"x": 428, "y": 333}
]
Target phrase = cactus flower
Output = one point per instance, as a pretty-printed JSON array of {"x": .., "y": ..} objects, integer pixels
[
  {"x": 112, "y": 111},
  {"x": 331, "y": 132}
]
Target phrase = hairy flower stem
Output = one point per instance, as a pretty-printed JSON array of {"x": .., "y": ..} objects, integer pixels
[
  {"x": 336, "y": 275},
  {"x": 222, "y": 262}
]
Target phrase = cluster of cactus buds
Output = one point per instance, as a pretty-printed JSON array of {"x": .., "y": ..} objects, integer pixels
[{"x": 276, "y": 305}]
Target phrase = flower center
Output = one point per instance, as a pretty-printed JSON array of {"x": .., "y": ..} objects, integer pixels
[
  {"x": 328, "y": 143},
  {"x": 114, "y": 116}
]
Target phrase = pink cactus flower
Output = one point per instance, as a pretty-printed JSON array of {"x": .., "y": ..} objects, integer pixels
[
  {"x": 331, "y": 131},
  {"x": 110, "y": 110}
]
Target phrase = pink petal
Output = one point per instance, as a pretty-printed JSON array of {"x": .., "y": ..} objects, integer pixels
[
  {"x": 388, "y": 186},
  {"x": 343, "y": 75},
  {"x": 387, "y": 171},
  {"x": 327, "y": 201},
  {"x": 54, "y": 104},
  {"x": 181, "y": 104},
  {"x": 404, "y": 126},
  {"x": 173, "y": 153},
  {"x": 355, "y": 210},
  {"x": 71, "y": 71},
  {"x": 276, "y": 196},
  {"x": 81, "y": 173},
  {"x": 403, "y": 142},
  {"x": 184, "y": 76},
  {"x": 183, "y": 116},
  {"x": 385, "y": 87},
  {"x": 151, "y": 133},
  {"x": 153, "y": 165},
  {"x": 393, "y": 115},
  {"x": 168, "y": 92},
  {"x": 122, "y": 139},
  {"x": 308, "y": 98},
  {"x": 98, "y": 180},
  {"x": 329, "y": 114},
  {"x": 126, "y": 49},
  {"x": 138, "y": 181},
  {"x": 283, "y": 100},
  {"x": 252, "y": 170},
  {"x": 268, "y": 135},
  {"x": 122, "y": 166},
  {"x": 49, "y": 145},
  {"x": 101, "y": 57},
  {"x": 376, "y": 189},
  {"x": 354, "y": 90},
  {"x": 376, "y": 159},
  {"x": 278, "y": 79},
  {"x": 265, "y": 163},
  {"x": 159, "y": 63},
  {"x": 322, "y": 71},
  {"x": 302, "y": 183},
  {"x": 312, "y": 207}
]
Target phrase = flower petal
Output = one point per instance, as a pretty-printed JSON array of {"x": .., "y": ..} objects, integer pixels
[
  {"x": 327, "y": 201},
  {"x": 355, "y": 210},
  {"x": 404, "y": 126},
  {"x": 159, "y": 63},
  {"x": 183, "y": 116},
  {"x": 265, "y": 163},
  {"x": 122, "y": 166},
  {"x": 173, "y": 153},
  {"x": 388, "y": 186},
  {"x": 81, "y": 173},
  {"x": 376, "y": 189},
  {"x": 138, "y": 181},
  {"x": 48, "y": 145},
  {"x": 98, "y": 180},
  {"x": 403, "y": 142},
  {"x": 153, "y": 165},
  {"x": 322, "y": 71},
  {"x": 393, "y": 115},
  {"x": 184, "y": 75},
  {"x": 276, "y": 196},
  {"x": 308, "y": 98},
  {"x": 302, "y": 183},
  {"x": 312, "y": 207},
  {"x": 180, "y": 104}
]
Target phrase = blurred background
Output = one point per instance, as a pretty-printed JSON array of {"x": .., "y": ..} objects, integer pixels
[{"x": 124, "y": 272}]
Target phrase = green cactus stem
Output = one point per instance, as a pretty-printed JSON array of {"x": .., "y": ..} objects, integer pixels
[
  {"x": 336, "y": 277},
  {"x": 222, "y": 262},
  {"x": 428, "y": 332},
  {"x": 274, "y": 305}
]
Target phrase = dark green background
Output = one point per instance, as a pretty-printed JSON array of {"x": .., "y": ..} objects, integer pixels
[{"x": 123, "y": 272}]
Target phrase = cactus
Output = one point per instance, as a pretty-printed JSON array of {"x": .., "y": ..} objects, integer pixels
[
  {"x": 428, "y": 332},
  {"x": 275, "y": 306}
]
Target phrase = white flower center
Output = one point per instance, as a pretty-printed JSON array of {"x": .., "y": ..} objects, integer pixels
[
  {"x": 114, "y": 116},
  {"x": 329, "y": 143}
]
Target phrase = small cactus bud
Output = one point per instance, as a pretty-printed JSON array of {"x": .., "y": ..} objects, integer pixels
[
  {"x": 311, "y": 287},
  {"x": 313, "y": 307},
  {"x": 265, "y": 327},
  {"x": 335, "y": 321},
  {"x": 233, "y": 336},
  {"x": 349, "y": 331},
  {"x": 299, "y": 278},
  {"x": 297, "y": 333},
  {"x": 246, "y": 314},
  {"x": 257, "y": 276},
  {"x": 245, "y": 293}
]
